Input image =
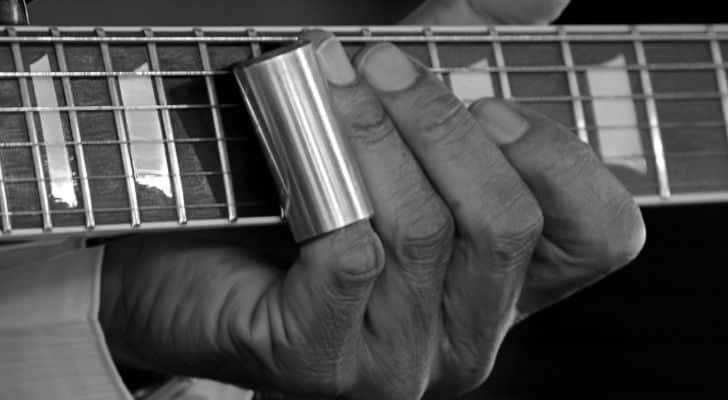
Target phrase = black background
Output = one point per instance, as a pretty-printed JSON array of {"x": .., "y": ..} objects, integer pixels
[{"x": 655, "y": 329}]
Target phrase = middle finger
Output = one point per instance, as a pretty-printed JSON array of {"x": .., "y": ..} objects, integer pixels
[{"x": 496, "y": 215}]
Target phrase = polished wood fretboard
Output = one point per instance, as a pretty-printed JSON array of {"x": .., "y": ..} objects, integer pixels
[{"x": 106, "y": 130}]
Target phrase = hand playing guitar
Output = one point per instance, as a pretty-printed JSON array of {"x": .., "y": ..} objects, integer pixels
[{"x": 483, "y": 215}]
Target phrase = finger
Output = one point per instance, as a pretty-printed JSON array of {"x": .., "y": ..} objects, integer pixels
[
  {"x": 309, "y": 323},
  {"x": 592, "y": 224},
  {"x": 486, "y": 196},
  {"x": 410, "y": 217},
  {"x": 496, "y": 216},
  {"x": 478, "y": 12}
]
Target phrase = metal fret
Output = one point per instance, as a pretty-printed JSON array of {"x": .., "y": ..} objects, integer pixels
[
  {"x": 4, "y": 209},
  {"x": 434, "y": 53},
  {"x": 256, "y": 52},
  {"x": 577, "y": 105},
  {"x": 33, "y": 136},
  {"x": 254, "y": 42},
  {"x": 219, "y": 132},
  {"x": 720, "y": 75},
  {"x": 655, "y": 130},
  {"x": 500, "y": 61},
  {"x": 76, "y": 134},
  {"x": 122, "y": 134},
  {"x": 168, "y": 133}
]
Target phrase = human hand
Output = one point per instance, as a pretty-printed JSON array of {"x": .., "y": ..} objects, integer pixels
[
  {"x": 417, "y": 301},
  {"x": 490, "y": 12}
]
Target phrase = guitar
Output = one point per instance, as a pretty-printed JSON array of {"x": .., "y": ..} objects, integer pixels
[{"x": 117, "y": 130}]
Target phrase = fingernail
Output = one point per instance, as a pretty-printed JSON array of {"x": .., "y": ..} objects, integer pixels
[
  {"x": 387, "y": 68},
  {"x": 503, "y": 123},
  {"x": 335, "y": 63}
]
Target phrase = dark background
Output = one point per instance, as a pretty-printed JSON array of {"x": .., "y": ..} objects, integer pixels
[{"x": 654, "y": 329}]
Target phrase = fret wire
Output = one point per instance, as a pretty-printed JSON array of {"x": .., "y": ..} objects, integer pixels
[
  {"x": 121, "y": 133},
  {"x": 254, "y": 42},
  {"x": 720, "y": 74},
  {"x": 500, "y": 61},
  {"x": 76, "y": 134},
  {"x": 32, "y": 135},
  {"x": 218, "y": 126},
  {"x": 655, "y": 130},
  {"x": 4, "y": 209},
  {"x": 434, "y": 54},
  {"x": 168, "y": 133},
  {"x": 256, "y": 50},
  {"x": 577, "y": 105}
]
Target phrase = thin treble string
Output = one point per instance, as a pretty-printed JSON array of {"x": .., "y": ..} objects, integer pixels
[
  {"x": 681, "y": 66},
  {"x": 241, "y": 139},
  {"x": 688, "y": 155},
  {"x": 707, "y": 95}
]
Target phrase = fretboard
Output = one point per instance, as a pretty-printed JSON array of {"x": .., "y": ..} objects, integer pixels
[{"x": 120, "y": 129}]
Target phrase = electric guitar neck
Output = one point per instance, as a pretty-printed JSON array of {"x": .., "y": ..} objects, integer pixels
[{"x": 116, "y": 130}]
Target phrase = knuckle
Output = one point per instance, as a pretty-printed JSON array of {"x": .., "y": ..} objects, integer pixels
[
  {"x": 368, "y": 121},
  {"x": 426, "y": 232},
  {"x": 515, "y": 231},
  {"x": 358, "y": 254},
  {"x": 442, "y": 116},
  {"x": 474, "y": 367}
]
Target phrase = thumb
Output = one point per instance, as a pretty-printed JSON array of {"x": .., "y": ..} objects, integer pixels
[{"x": 488, "y": 12}]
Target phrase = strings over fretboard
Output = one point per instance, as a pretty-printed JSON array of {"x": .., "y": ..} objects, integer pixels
[{"x": 120, "y": 129}]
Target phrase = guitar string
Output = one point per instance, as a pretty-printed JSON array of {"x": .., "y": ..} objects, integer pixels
[
  {"x": 678, "y": 188},
  {"x": 248, "y": 139},
  {"x": 668, "y": 66},
  {"x": 419, "y": 37},
  {"x": 674, "y": 96},
  {"x": 690, "y": 155}
]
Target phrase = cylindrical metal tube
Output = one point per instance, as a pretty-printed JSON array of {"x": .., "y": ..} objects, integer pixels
[
  {"x": 317, "y": 177},
  {"x": 13, "y": 12}
]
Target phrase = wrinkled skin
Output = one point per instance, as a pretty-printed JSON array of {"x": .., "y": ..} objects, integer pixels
[{"x": 479, "y": 222}]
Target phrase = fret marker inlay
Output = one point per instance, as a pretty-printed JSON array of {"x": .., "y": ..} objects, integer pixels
[
  {"x": 615, "y": 115},
  {"x": 472, "y": 85},
  {"x": 149, "y": 159},
  {"x": 59, "y": 166}
]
